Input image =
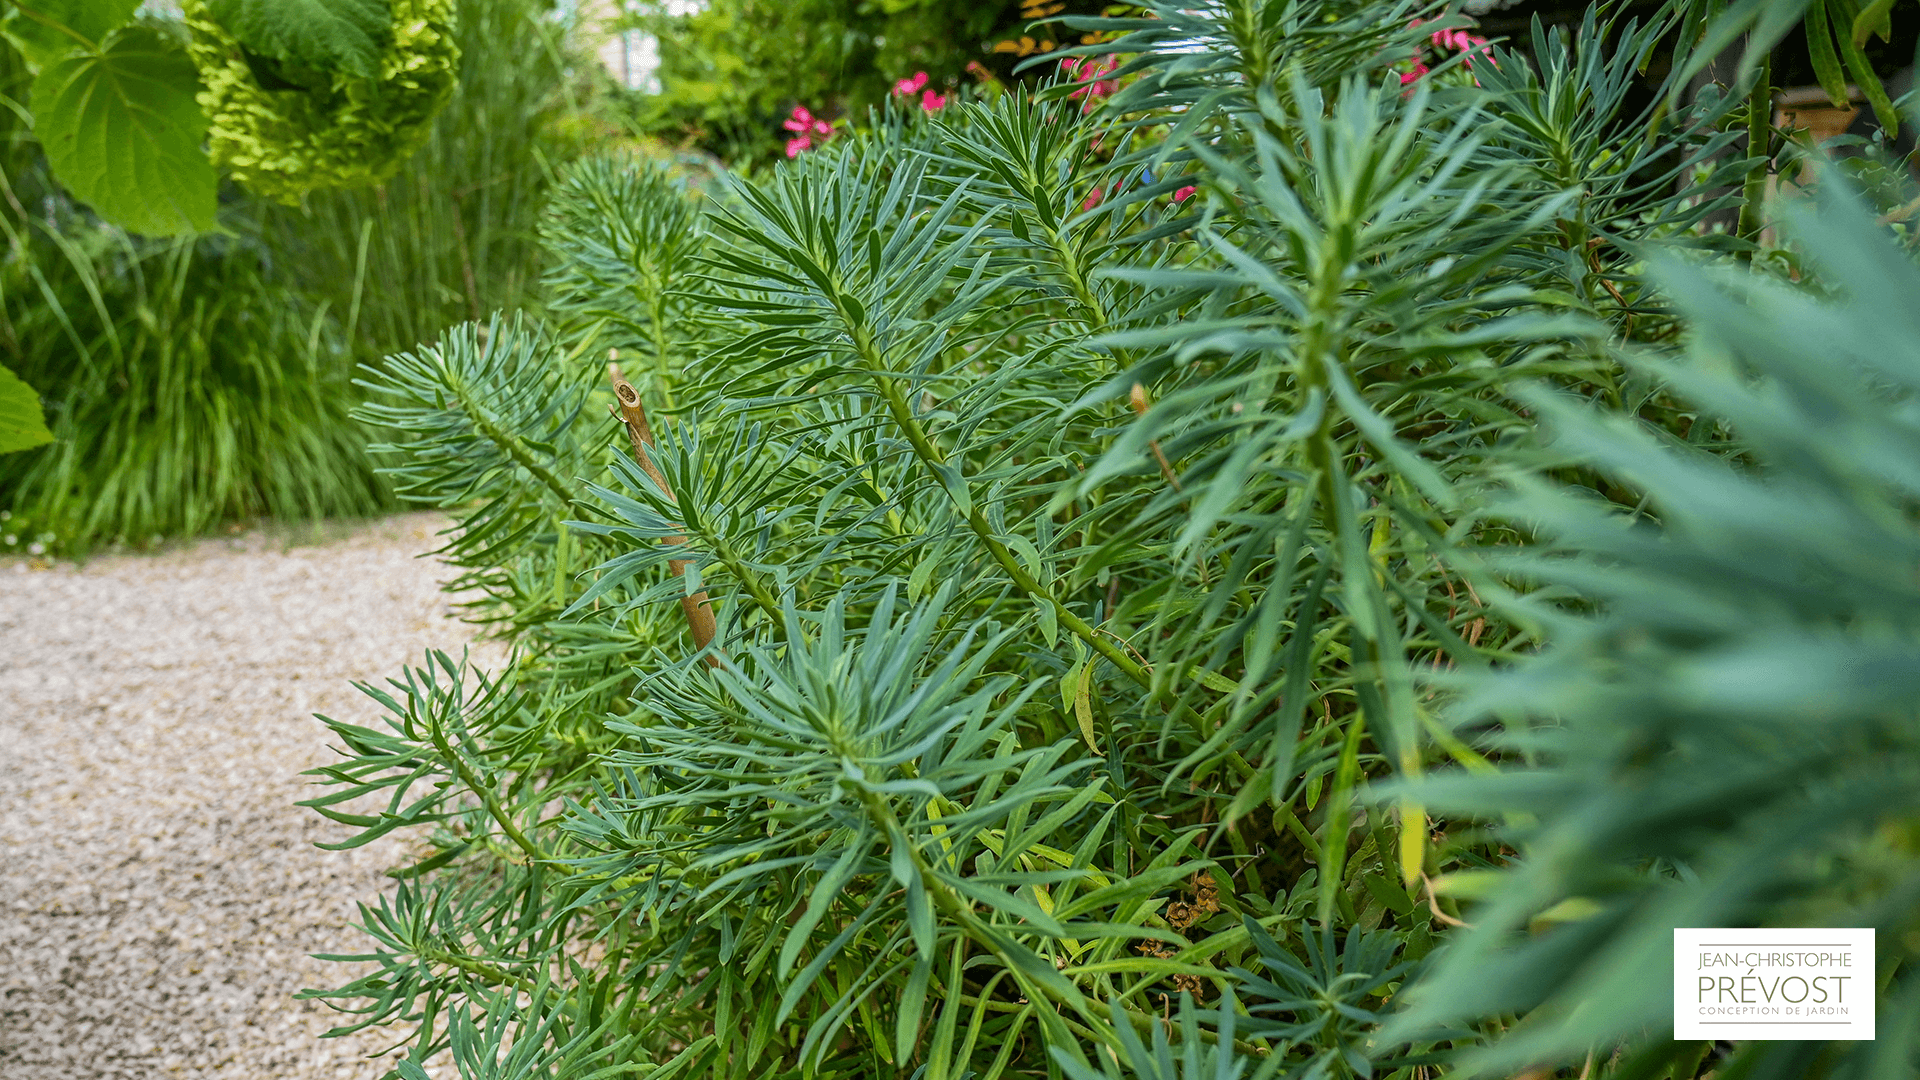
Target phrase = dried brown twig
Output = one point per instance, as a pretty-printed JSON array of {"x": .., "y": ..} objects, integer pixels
[{"x": 633, "y": 414}]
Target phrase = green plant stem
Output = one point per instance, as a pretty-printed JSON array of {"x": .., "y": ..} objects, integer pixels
[
  {"x": 757, "y": 589},
  {"x": 484, "y": 970},
  {"x": 517, "y": 450},
  {"x": 1759, "y": 134},
  {"x": 662, "y": 371},
  {"x": 924, "y": 448},
  {"x": 1104, "y": 644},
  {"x": 491, "y": 802},
  {"x": 1077, "y": 277}
]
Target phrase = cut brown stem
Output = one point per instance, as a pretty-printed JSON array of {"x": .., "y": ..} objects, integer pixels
[
  {"x": 633, "y": 413},
  {"x": 1138, "y": 398}
]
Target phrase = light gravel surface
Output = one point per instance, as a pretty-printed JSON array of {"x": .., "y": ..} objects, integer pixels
[{"x": 159, "y": 890}]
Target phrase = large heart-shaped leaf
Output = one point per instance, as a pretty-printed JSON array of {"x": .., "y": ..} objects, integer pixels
[
  {"x": 22, "y": 425},
  {"x": 326, "y": 35},
  {"x": 122, "y": 130},
  {"x": 61, "y": 24}
]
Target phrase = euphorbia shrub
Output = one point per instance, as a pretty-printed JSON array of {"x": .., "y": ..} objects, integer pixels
[{"x": 978, "y": 630}]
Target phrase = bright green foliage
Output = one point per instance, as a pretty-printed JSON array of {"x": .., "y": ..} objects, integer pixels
[
  {"x": 283, "y": 131},
  {"x": 633, "y": 243},
  {"x": 22, "y": 426},
  {"x": 121, "y": 129},
  {"x": 450, "y": 234},
  {"x": 46, "y": 39},
  {"x": 346, "y": 36},
  {"x": 297, "y": 94},
  {"x": 183, "y": 389},
  {"x": 465, "y": 444},
  {"x": 731, "y": 70},
  {"x": 302, "y": 292},
  {"x": 1129, "y": 603}
]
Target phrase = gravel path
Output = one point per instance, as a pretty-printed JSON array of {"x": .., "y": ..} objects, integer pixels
[{"x": 159, "y": 891}]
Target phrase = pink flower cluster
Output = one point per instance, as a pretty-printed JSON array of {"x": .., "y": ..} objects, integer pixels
[
  {"x": 1444, "y": 40},
  {"x": 1099, "y": 194},
  {"x": 930, "y": 101},
  {"x": 1091, "y": 72},
  {"x": 805, "y": 127}
]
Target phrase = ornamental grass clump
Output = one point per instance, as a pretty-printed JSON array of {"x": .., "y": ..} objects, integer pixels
[{"x": 1281, "y": 617}]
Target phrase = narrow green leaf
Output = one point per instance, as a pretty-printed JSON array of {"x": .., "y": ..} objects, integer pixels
[
  {"x": 1875, "y": 18},
  {"x": 1083, "y": 705},
  {"x": 1870, "y": 85},
  {"x": 429, "y": 865},
  {"x": 913, "y": 1003},
  {"x": 1826, "y": 62}
]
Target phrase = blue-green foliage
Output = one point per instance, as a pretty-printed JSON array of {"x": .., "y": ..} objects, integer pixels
[
  {"x": 1155, "y": 637},
  {"x": 1732, "y": 742}
]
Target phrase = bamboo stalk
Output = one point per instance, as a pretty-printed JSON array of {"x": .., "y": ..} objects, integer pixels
[{"x": 633, "y": 413}]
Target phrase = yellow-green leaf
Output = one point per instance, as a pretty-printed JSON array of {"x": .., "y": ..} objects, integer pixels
[
  {"x": 22, "y": 425},
  {"x": 1875, "y": 18},
  {"x": 1083, "y": 706}
]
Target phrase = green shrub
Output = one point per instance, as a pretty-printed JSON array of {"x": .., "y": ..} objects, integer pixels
[
  {"x": 451, "y": 235},
  {"x": 732, "y": 70},
  {"x": 182, "y": 387},
  {"x": 194, "y": 382},
  {"x": 183, "y": 384},
  {"x": 282, "y": 133},
  {"x": 1141, "y": 587}
]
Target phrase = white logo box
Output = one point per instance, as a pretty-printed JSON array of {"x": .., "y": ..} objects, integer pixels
[{"x": 1775, "y": 984}]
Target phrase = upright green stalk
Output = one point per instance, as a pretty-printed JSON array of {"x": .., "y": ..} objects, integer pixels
[{"x": 1759, "y": 134}]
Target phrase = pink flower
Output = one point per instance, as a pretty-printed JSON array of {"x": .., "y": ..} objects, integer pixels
[
  {"x": 932, "y": 102},
  {"x": 1093, "y": 199},
  {"x": 1092, "y": 74},
  {"x": 805, "y": 126},
  {"x": 1476, "y": 45},
  {"x": 1457, "y": 40},
  {"x": 1183, "y": 194},
  {"x": 910, "y": 87},
  {"x": 1419, "y": 69}
]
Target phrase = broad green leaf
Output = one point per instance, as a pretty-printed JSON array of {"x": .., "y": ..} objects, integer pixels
[
  {"x": 326, "y": 35},
  {"x": 21, "y": 424},
  {"x": 122, "y": 130},
  {"x": 71, "y": 21}
]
